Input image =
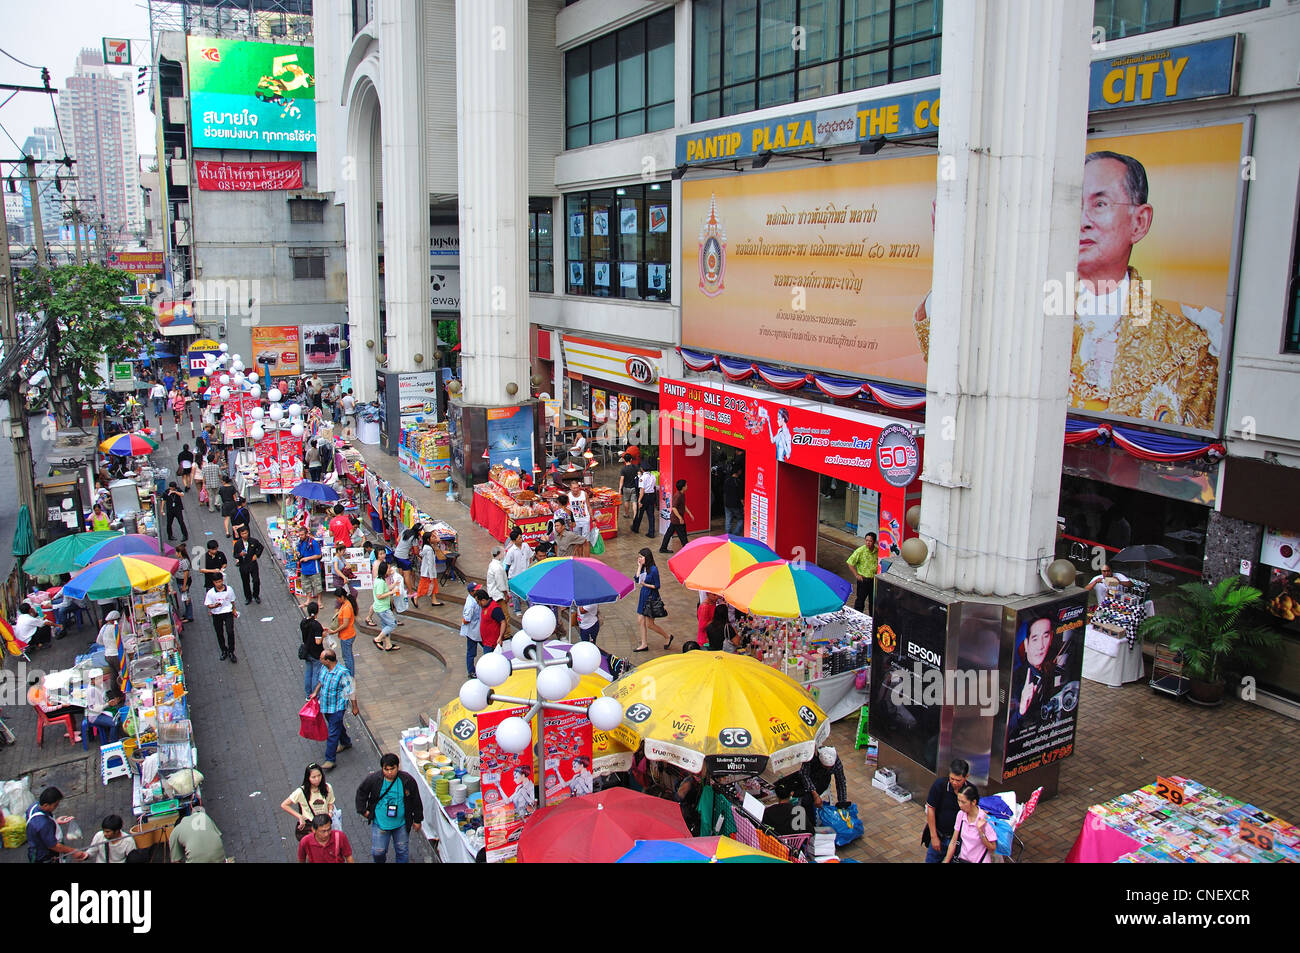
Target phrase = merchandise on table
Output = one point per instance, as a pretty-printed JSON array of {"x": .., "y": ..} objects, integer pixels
[
  {"x": 531, "y": 510},
  {"x": 453, "y": 802},
  {"x": 814, "y": 648},
  {"x": 1120, "y": 614},
  {"x": 424, "y": 452},
  {"x": 1205, "y": 828}
]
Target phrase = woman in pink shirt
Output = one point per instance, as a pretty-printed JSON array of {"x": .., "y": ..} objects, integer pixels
[{"x": 974, "y": 831}]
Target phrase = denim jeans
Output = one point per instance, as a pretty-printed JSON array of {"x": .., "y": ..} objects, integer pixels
[
  {"x": 379, "y": 839},
  {"x": 589, "y": 635},
  {"x": 387, "y": 623},
  {"x": 346, "y": 645},
  {"x": 338, "y": 733},
  {"x": 311, "y": 675},
  {"x": 738, "y": 517},
  {"x": 471, "y": 653},
  {"x": 933, "y": 856}
]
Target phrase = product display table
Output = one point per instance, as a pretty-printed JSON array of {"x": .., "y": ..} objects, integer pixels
[
  {"x": 453, "y": 846},
  {"x": 1109, "y": 659},
  {"x": 1206, "y": 827},
  {"x": 837, "y": 694}
]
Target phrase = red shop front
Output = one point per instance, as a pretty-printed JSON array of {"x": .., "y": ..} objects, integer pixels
[{"x": 788, "y": 443}]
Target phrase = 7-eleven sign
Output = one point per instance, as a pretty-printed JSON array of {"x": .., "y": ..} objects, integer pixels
[{"x": 117, "y": 52}]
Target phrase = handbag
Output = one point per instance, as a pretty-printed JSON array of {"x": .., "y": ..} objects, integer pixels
[
  {"x": 311, "y": 722},
  {"x": 302, "y": 653},
  {"x": 956, "y": 851},
  {"x": 655, "y": 606}
]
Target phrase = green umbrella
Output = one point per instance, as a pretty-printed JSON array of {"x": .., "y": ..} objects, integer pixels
[
  {"x": 58, "y": 557},
  {"x": 24, "y": 538}
]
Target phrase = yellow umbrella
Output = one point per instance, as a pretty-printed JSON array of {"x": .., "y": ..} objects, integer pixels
[
  {"x": 727, "y": 712},
  {"x": 458, "y": 728}
]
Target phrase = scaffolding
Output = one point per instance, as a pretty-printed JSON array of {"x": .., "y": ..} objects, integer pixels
[{"x": 265, "y": 20}]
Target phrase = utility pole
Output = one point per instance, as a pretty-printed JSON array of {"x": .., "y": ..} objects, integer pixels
[
  {"x": 38, "y": 230},
  {"x": 17, "y": 423}
]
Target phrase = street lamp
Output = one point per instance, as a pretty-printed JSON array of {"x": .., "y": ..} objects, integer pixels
[{"x": 556, "y": 677}]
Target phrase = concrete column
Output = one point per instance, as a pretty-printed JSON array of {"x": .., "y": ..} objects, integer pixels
[
  {"x": 359, "y": 234},
  {"x": 492, "y": 155},
  {"x": 406, "y": 191},
  {"x": 1011, "y": 145}
]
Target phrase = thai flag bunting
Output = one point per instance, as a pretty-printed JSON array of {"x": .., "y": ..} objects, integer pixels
[
  {"x": 735, "y": 370},
  {"x": 841, "y": 388},
  {"x": 696, "y": 361},
  {"x": 1162, "y": 448},
  {"x": 781, "y": 379},
  {"x": 1081, "y": 431},
  {"x": 897, "y": 398}
]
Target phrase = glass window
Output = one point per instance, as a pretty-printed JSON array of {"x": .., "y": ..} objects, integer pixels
[
  {"x": 1292, "y": 342},
  {"x": 1118, "y": 18},
  {"x": 748, "y": 54},
  {"x": 620, "y": 242},
  {"x": 620, "y": 84},
  {"x": 541, "y": 246}
]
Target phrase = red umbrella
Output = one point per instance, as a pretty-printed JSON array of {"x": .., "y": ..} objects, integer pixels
[{"x": 598, "y": 828}]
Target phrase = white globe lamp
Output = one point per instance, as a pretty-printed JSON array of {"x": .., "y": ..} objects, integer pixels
[
  {"x": 521, "y": 645},
  {"x": 276, "y": 412},
  {"x": 493, "y": 669},
  {"x": 474, "y": 695},
  {"x": 514, "y": 735},
  {"x": 274, "y": 395},
  {"x": 606, "y": 714},
  {"x": 585, "y": 658},
  {"x": 539, "y": 623},
  {"x": 553, "y": 683}
]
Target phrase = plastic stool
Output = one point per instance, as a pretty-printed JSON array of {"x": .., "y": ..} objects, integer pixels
[
  {"x": 43, "y": 721},
  {"x": 112, "y": 763}
]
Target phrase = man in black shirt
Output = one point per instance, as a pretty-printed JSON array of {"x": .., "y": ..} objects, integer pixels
[
  {"x": 214, "y": 564},
  {"x": 174, "y": 503},
  {"x": 677, "y": 517},
  {"x": 732, "y": 503},
  {"x": 627, "y": 486},
  {"x": 246, "y": 551},
  {"x": 941, "y": 811}
]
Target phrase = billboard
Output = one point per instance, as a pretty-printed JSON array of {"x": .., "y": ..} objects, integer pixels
[
  {"x": 830, "y": 269},
  {"x": 322, "y": 346},
  {"x": 1043, "y": 707},
  {"x": 818, "y": 268},
  {"x": 256, "y": 96},
  {"x": 247, "y": 176},
  {"x": 276, "y": 347}
]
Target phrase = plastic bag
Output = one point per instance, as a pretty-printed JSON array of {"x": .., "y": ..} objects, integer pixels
[
  {"x": 16, "y": 797},
  {"x": 844, "y": 821},
  {"x": 597, "y": 544},
  {"x": 311, "y": 722}
]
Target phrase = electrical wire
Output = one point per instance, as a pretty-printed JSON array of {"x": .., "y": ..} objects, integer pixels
[{"x": 17, "y": 60}]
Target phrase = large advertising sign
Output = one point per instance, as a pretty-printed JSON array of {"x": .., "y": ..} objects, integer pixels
[
  {"x": 831, "y": 269},
  {"x": 1043, "y": 707},
  {"x": 276, "y": 347},
  {"x": 256, "y": 96},
  {"x": 417, "y": 396},
  {"x": 568, "y": 739},
  {"x": 136, "y": 262},
  {"x": 510, "y": 437},
  {"x": 279, "y": 463},
  {"x": 247, "y": 176},
  {"x": 911, "y": 640},
  {"x": 322, "y": 346}
]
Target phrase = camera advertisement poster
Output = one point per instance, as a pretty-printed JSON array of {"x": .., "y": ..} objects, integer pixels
[{"x": 1045, "y": 672}]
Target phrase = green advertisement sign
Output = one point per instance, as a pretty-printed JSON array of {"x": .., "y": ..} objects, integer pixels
[{"x": 257, "y": 96}]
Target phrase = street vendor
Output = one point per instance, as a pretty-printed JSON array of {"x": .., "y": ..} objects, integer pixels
[
  {"x": 816, "y": 776},
  {"x": 1107, "y": 582}
]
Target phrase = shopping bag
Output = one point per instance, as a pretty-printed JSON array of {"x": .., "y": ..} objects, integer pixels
[
  {"x": 312, "y": 722},
  {"x": 203, "y": 494},
  {"x": 844, "y": 821},
  {"x": 598, "y": 544}
]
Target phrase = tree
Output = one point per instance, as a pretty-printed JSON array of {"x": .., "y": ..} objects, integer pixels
[{"x": 84, "y": 322}]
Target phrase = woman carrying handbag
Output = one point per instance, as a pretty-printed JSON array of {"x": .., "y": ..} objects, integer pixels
[
  {"x": 314, "y": 797},
  {"x": 650, "y": 605},
  {"x": 974, "y": 839}
]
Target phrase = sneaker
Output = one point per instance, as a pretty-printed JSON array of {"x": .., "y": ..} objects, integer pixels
[{"x": 327, "y": 765}]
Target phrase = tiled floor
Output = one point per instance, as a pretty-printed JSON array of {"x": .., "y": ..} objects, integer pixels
[{"x": 1126, "y": 736}]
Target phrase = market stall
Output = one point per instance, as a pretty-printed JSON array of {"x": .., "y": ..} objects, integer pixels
[
  {"x": 424, "y": 452},
  {"x": 1112, "y": 651},
  {"x": 457, "y": 828},
  {"x": 501, "y": 504},
  {"x": 1177, "y": 820}
]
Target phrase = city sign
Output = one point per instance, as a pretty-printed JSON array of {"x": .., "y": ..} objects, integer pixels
[{"x": 256, "y": 96}]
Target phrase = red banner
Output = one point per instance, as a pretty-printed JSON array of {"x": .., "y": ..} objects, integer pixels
[
  {"x": 248, "y": 176},
  {"x": 279, "y": 468},
  {"x": 507, "y": 779},
  {"x": 568, "y": 753},
  {"x": 237, "y": 416}
]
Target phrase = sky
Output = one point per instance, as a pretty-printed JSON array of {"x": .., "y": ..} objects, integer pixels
[{"x": 51, "y": 33}]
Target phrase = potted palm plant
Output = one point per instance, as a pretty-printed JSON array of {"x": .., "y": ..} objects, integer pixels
[{"x": 1205, "y": 627}]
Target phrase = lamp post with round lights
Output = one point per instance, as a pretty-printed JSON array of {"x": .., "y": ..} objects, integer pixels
[{"x": 556, "y": 678}]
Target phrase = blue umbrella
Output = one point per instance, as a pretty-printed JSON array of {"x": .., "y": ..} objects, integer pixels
[
  {"x": 570, "y": 581},
  {"x": 315, "y": 491}
]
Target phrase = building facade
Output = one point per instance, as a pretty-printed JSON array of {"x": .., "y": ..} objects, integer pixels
[
  {"x": 740, "y": 193},
  {"x": 96, "y": 108}
]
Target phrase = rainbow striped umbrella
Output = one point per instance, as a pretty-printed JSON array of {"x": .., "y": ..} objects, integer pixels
[
  {"x": 118, "y": 575},
  {"x": 786, "y": 590},
  {"x": 570, "y": 581},
  {"x": 131, "y": 544},
  {"x": 712, "y": 562},
  {"x": 696, "y": 850},
  {"x": 128, "y": 445}
]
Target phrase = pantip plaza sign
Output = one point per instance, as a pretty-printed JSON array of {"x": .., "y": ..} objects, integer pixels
[{"x": 256, "y": 96}]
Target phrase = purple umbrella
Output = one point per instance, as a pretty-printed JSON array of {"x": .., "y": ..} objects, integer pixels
[
  {"x": 570, "y": 581},
  {"x": 132, "y": 544}
]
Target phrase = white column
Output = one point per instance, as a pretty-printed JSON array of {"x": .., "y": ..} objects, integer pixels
[
  {"x": 359, "y": 234},
  {"x": 406, "y": 193},
  {"x": 492, "y": 157},
  {"x": 1014, "y": 89}
]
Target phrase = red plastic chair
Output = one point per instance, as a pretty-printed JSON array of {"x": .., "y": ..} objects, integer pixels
[{"x": 43, "y": 721}]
